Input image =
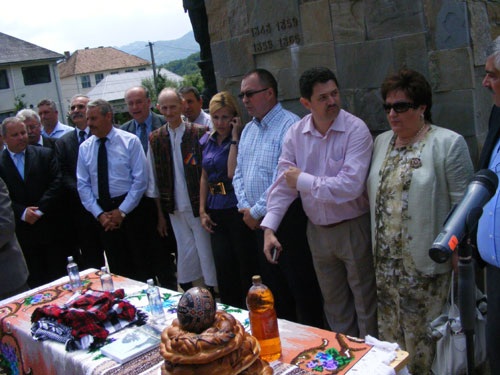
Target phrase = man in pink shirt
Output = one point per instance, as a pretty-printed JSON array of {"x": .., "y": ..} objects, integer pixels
[{"x": 325, "y": 158}]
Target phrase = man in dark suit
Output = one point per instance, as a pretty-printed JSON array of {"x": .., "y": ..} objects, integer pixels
[
  {"x": 34, "y": 128},
  {"x": 143, "y": 122},
  {"x": 83, "y": 228},
  {"x": 34, "y": 181},
  {"x": 13, "y": 270}
]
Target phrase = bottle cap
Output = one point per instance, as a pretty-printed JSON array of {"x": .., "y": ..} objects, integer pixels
[
  {"x": 70, "y": 259},
  {"x": 150, "y": 282},
  {"x": 104, "y": 269},
  {"x": 256, "y": 280}
]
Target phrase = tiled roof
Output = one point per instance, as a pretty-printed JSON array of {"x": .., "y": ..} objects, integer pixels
[
  {"x": 90, "y": 60},
  {"x": 113, "y": 86},
  {"x": 14, "y": 50}
]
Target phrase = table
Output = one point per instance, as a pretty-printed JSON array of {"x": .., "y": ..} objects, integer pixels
[{"x": 25, "y": 356}]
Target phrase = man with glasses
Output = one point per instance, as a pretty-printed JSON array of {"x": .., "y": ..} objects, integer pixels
[
  {"x": 258, "y": 153},
  {"x": 52, "y": 128},
  {"x": 34, "y": 127},
  {"x": 325, "y": 159}
]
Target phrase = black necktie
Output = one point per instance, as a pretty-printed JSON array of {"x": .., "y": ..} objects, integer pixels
[
  {"x": 82, "y": 136},
  {"x": 102, "y": 171},
  {"x": 143, "y": 137}
]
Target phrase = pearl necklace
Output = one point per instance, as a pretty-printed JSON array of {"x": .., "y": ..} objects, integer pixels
[{"x": 410, "y": 141}]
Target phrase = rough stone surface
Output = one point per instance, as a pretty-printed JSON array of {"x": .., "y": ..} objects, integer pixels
[
  {"x": 389, "y": 18},
  {"x": 484, "y": 102},
  {"x": 237, "y": 18},
  {"x": 431, "y": 10},
  {"x": 368, "y": 107},
  {"x": 364, "y": 65},
  {"x": 218, "y": 26},
  {"x": 348, "y": 21},
  {"x": 479, "y": 31},
  {"x": 454, "y": 110},
  {"x": 288, "y": 83},
  {"x": 295, "y": 107},
  {"x": 275, "y": 60},
  {"x": 233, "y": 57},
  {"x": 451, "y": 69},
  {"x": 494, "y": 17},
  {"x": 316, "y": 24},
  {"x": 410, "y": 51},
  {"x": 452, "y": 29}
]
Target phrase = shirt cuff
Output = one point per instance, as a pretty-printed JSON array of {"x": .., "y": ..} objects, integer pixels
[
  {"x": 305, "y": 182},
  {"x": 23, "y": 216},
  {"x": 271, "y": 221},
  {"x": 254, "y": 211}
]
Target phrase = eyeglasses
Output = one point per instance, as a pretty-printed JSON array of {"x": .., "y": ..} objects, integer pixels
[
  {"x": 399, "y": 107},
  {"x": 249, "y": 94}
]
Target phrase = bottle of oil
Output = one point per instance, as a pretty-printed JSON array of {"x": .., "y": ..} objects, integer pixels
[{"x": 263, "y": 320}]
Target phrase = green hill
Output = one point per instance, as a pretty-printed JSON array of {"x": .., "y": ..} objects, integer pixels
[{"x": 185, "y": 66}]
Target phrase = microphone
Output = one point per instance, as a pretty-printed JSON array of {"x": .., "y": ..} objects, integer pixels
[{"x": 480, "y": 190}]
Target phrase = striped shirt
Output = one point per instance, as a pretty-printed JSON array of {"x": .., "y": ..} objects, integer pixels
[{"x": 258, "y": 154}]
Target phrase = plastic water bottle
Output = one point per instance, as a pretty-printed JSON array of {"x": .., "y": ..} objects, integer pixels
[
  {"x": 106, "y": 280},
  {"x": 263, "y": 320},
  {"x": 155, "y": 302},
  {"x": 74, "y": 275}
]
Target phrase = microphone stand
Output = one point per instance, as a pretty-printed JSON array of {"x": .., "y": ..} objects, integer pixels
[{"x": 466, "y": 286}]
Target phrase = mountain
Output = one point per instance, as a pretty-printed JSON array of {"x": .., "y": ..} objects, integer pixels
[{"x": 164, "y": 50}]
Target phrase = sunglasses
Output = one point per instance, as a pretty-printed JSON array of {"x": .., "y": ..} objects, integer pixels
[
  {"x": 399, "y": 107},
  {"x": 249, "y": 94}
]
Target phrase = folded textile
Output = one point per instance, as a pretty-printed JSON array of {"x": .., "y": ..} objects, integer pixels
[{"x": 96, "y": 314}]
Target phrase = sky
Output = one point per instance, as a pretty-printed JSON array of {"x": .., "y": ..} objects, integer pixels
[{"x": 62, "y": 25}]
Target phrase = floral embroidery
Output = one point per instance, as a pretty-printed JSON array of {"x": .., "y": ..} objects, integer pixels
[
  {"x": 8, "y": 359},
  {"x": 329, "y": 360},
  {"x": 37, "y": 298}
]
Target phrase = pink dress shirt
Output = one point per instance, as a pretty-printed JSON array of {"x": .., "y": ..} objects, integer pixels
[{"x": 334, "y": 168}]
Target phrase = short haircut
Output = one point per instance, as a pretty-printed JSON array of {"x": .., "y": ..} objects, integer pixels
[
  {"x": 312, "y": 76},
  {"x": 103, "y": 105},
  {"x": 170, "y": 89},
  {"x": 146, "y": 91},
  {"x": 25, "y": 114},
  {"x": 493, "y": 50},
  {"x": 8, "y": 121},
  {"x": 221, "y": 100},
  {"x": 265, "y": 78},
  {"x": 415, "y": 87},
  {"x": 79, "y": 96},
  {"x": 187, "y": 89},
  {"x": 48, "y": 102}
]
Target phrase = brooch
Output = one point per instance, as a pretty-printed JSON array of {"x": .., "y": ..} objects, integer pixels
[{"x": 415, "y": 163}]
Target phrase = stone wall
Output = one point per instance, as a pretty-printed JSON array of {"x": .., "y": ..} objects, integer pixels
[{"x": 363, "y": 41}]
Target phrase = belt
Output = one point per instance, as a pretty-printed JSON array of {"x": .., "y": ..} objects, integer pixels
[
  {"x": 220, "y": 188},
  {"x": 332, "y": 225},
  {"x": 111, "y": 203}
]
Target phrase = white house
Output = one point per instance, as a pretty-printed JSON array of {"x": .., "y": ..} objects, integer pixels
[
  {"x": 85, "y": 68},
  {"x": 27, "y": 73}
]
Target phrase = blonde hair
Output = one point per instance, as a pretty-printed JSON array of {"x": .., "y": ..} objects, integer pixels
[{"x": 221, "y": 100}]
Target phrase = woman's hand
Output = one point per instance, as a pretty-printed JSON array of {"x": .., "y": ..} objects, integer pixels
[
  {"x": 237, "y": 128},
  {"x": 206, "y": 222}
]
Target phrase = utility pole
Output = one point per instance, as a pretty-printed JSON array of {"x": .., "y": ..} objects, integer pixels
[{"x": 154, "y": 65}]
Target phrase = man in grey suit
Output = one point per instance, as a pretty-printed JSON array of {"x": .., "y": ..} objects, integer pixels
[
  {"x": 13, "y": 270},
  {"x": 144, "y": 121}
]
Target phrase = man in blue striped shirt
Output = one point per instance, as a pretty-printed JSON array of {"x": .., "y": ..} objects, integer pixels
[{"x": 258, "y": 153}]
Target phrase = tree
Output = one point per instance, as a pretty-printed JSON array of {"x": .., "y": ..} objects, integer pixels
[{"x": 162, "y": 82}]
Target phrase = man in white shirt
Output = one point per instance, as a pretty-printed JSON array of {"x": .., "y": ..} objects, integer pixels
[
  {"x": 52, "y": 128},
  {"x": 192, "y": 107}
]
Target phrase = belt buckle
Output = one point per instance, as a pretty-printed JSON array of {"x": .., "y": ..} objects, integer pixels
[
  {"x": 212, "y": 190},
  {"x": 221, "y": 187}
]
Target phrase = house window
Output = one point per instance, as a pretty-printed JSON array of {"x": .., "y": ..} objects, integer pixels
[
  {"x": 4, "y": 81},
  {"x": 85, "y": 82},
  {"x": 34, "y": 75},
  {"x": 141, "y": 69},
  {"x": 116, "y": 72},
  {"x": 99, "y": 77},
  {"x": 129, "y": 70}
]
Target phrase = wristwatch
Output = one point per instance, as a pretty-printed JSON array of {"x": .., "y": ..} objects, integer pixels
[
  {"x": 234, "y": 142},
  {"x": 123, "y": 214}
]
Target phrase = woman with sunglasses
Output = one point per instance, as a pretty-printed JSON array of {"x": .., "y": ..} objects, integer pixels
[
  {"x": 232, "y": 241},
  {"x": 418, "y": 172}
]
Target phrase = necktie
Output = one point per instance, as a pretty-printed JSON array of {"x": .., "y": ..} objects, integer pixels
[
  {"x": 19, "y": 158},
  {"x": 82, "y": 136},
  {"x": 143, "y": 137},
  {"x": 102, "y": 171}
]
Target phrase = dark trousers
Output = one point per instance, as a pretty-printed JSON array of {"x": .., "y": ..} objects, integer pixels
[
  {"x": 493, "y": 317},
  {"x": 293, "y": 280},
  {"x": 233, "y": 246}
]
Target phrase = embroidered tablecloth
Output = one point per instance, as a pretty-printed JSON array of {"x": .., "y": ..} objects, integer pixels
[{"x": 317, "y": 351}]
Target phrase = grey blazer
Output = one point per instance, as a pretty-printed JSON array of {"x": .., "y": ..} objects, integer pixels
[
  {"x": 13, "y": 270},
  {"x": 435, "y": 187},
  {"x": 156, "y": 122}
]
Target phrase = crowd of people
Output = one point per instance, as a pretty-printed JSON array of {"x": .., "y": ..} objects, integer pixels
[{"x": 338, "y": 226}]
